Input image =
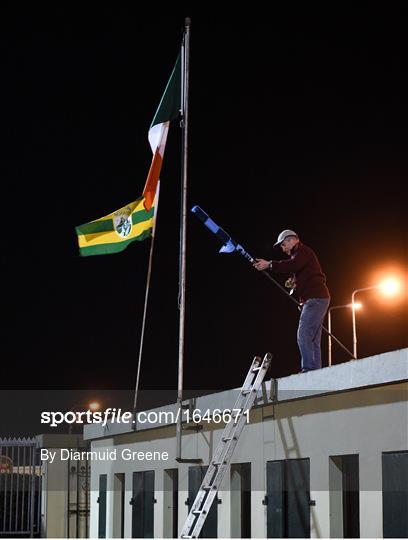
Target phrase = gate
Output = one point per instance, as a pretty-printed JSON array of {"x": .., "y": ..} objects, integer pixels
[{"x": 20, "y": 488}]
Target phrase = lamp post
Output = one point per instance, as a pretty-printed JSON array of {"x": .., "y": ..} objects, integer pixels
[
  {"x": 329, "y": 325},
  {"x": 389, "y": 287},
  {"x": 353, "y": 311}
]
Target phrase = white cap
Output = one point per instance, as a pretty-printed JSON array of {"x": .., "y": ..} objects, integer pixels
[{"x": 284, "y": 234}]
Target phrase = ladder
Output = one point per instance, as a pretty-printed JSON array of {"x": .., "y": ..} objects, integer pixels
[{"x": 223, "y": 453}]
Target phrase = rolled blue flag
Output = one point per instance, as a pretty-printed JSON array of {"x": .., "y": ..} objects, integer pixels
[{"x": 228, "y": 244}]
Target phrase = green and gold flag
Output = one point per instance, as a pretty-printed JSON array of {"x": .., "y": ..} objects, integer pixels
[{"x": 114, "y": 232}]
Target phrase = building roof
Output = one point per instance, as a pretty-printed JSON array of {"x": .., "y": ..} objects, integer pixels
[{"x": 378, "y": 370}]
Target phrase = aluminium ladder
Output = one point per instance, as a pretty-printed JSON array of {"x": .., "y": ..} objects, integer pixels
[{"x": 223, "y": 453}]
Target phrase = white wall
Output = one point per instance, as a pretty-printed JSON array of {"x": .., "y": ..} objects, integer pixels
[{"x": 365, "y": 422}]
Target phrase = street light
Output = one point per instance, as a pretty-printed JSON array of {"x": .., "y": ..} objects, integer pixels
[
  {"x": 357, "y": 305},
  {"x": 92, "y": 406},
  {"x": 388, "y": 287}
]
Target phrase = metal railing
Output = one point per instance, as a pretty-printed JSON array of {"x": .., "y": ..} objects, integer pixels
[{"x": 20, "y": 488}]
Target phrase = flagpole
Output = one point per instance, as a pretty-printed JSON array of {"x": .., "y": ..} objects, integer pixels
[
  {"x": 149, "y": 272},
  {"x": 185, "y": 58}
]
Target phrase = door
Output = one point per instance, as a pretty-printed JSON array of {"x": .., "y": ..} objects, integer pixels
[
  {"x": 351, "y": 496},
  {"x": 103, "y": 478},
  {"x": 395, "y": 494},
  {"x": 288, "y": 498},
  {"x": 297, "y": 485},
  {"x": 143, "y": 504},
  {"x": 275, "y": 509}
]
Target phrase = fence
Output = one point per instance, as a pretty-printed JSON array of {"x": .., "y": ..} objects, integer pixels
[{"x": 20, "y": 488}]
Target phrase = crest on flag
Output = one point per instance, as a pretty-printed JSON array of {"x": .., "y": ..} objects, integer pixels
[{"x": 122, "y": 221}]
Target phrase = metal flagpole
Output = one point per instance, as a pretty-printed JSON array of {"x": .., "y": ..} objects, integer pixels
[
  {"x": 185, "y": 52},
  {"x": 185, "y": 65},
  {"x": 149, "y": 272}
]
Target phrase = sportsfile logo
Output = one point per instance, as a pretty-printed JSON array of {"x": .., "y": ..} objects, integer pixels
[{"x": 111, "y": 415}]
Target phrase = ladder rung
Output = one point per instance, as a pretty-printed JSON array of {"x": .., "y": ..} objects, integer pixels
[
  {"x": 225, "y": 439},
  {"x": 245, "y": 392},
  {"x": 206, "y": 488},
  {"x": 256, "y": 369}
]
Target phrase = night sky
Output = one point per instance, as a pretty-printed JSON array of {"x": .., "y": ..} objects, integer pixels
[{"x": 297, "y": 120}]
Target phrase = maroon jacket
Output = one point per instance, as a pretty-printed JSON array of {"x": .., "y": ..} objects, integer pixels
[{"x": 309, "y": 278}]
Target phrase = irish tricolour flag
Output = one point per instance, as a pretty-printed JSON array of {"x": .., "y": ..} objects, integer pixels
[
  {"x": 115, "y": 231},
  {"x": 169, "y": 109}
]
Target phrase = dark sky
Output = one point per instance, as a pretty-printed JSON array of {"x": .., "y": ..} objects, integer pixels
[{"x": 297, "y": 120}]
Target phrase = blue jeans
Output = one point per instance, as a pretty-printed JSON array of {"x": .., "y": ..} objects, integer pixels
[{"x": 310, "y": 332}]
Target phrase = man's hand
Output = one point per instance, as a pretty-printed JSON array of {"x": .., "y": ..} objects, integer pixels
[{"x": 261, "y": 264}]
